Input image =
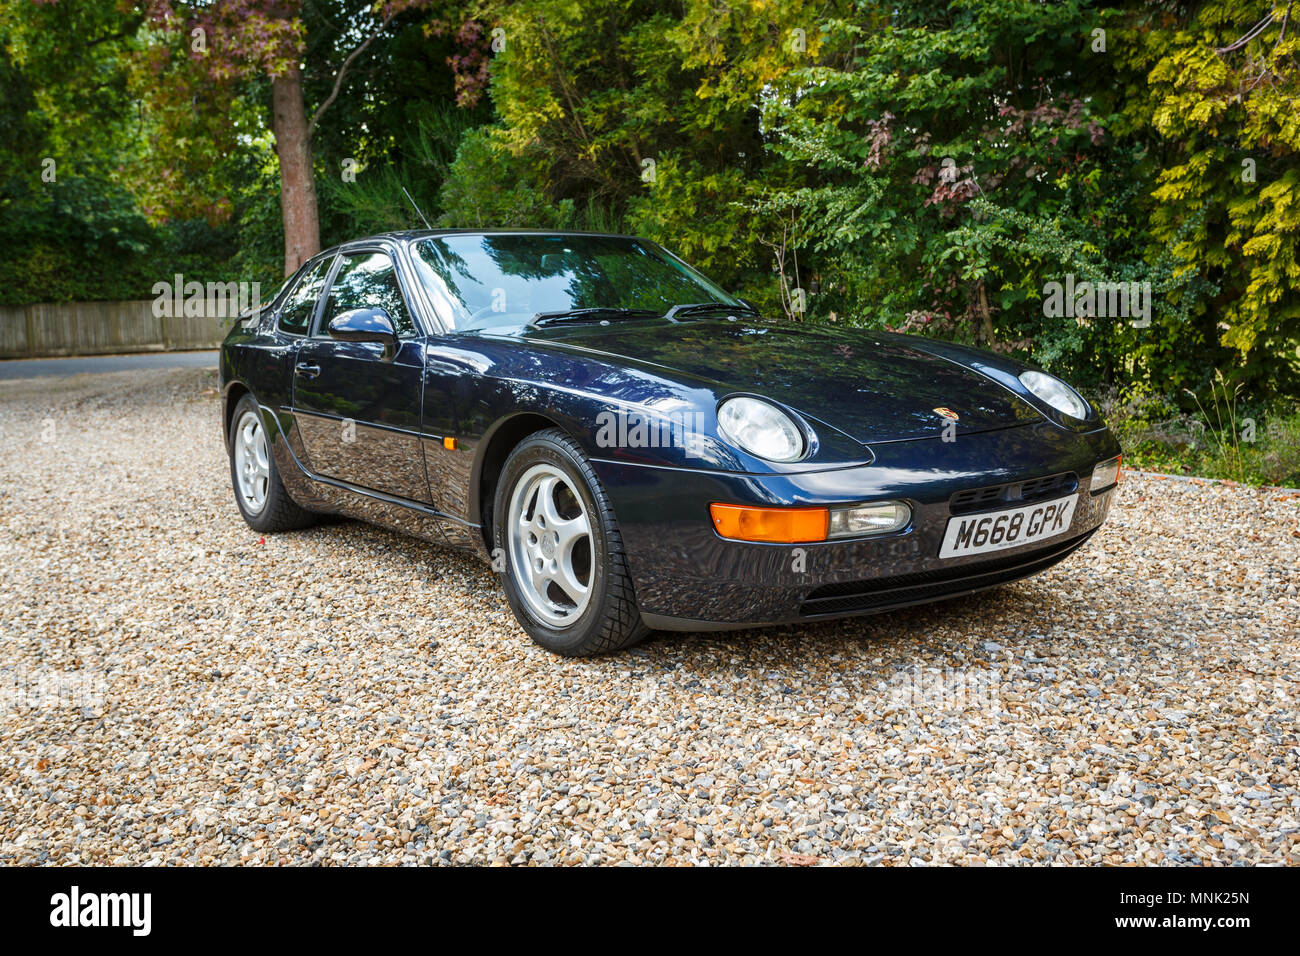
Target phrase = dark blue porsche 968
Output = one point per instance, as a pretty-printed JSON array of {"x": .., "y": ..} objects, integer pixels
[{"x": 633, "y": 448}]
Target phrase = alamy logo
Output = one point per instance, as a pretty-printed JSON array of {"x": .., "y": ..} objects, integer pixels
[
  {"x": 677, "y": 429},
  {"x": 1099, "y": 300},
  {"x": 75, "y": 909},
  {"x": 179, "y": 299}
]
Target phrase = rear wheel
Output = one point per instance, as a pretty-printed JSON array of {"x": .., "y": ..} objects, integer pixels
[
  {"x": 259, "y": 493},
  {"x": 566, "y": 575}
]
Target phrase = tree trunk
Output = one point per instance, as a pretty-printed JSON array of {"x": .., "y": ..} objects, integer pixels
[{"x": 297, "y": 183}]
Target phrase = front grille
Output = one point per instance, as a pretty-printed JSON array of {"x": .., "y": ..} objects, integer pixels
[
  {"x": 1046, "y": 487},
  {"x": 1015, "y": 492},
  {"x": 976, "y": 498},
  {"x": 917, "y": 586}
]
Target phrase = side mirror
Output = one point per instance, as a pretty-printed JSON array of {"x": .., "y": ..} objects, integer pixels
[{"x": 366, "y": 325}]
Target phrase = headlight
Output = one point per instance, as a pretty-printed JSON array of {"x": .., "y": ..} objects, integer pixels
[
  {"x": 760, "y": 428},
  {"x": 1055, "y": 393},
  {"x": 879, "y": 518}
]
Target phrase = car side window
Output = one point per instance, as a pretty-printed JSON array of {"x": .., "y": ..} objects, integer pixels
[
  {"x": 295, "y": 317},
  {"x": 368, "y": 280}
]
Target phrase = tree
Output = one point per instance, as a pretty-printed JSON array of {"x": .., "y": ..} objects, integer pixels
[
  {"x": 230, "y": 41},
  {"x": 638, "y": 113},
  {"x": 954, "y": 165},
  {"x": 1216, "y": 88},
  {"x": 69, "y": 227}
]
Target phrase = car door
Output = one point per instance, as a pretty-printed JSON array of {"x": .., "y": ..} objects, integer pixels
[{"x": 357, "y": 411}]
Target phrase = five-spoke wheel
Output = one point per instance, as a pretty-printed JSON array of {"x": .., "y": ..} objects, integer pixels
[
  {"x": 550, "y": 545},
  {"x": 565, "y": 570}
]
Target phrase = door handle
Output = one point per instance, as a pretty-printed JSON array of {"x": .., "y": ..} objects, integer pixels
[{"x": 307, "y": 370}]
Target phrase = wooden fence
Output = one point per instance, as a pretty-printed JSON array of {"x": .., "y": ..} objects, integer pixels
[{"x": 100, "y": 328}]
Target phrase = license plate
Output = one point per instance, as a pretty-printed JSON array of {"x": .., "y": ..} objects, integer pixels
[{"x": 976, "y": 534}]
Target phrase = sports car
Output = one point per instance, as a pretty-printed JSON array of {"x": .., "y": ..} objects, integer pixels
[{"x": 632, "y": 448}]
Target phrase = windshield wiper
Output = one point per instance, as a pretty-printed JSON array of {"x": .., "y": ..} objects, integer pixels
[
  {"x": 579, "y": 315},
  {"x": 688, "y": 308}
]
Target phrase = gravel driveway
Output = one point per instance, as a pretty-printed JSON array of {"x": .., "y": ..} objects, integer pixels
[{"x": 178, "y": 690}]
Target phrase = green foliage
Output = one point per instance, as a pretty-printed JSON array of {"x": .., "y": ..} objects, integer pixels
[
  {"x": 75, "y": 217},
  {"x": 490, "y": 187},
  {"x": 373, "y": 200},
  {"x": 700, "y": 215},
  {"x": 929, "y": 166},
  {"x": 83, "y": 238},
  {"x": 256, "y": 221},
  {"x": 946, "y": 182},
  {"x": 1252, "y": 443},
  {"x": 638, "y": 114},
  {"x": 1222, "y": 111}
]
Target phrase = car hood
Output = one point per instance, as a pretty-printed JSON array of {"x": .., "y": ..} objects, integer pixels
[{"x": 874, "y": 387}]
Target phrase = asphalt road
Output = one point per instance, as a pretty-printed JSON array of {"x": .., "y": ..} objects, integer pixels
[{"x": 39, "y": 368}]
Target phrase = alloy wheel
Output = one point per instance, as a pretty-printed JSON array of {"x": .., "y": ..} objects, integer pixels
[{"x": 550, "y": 544}]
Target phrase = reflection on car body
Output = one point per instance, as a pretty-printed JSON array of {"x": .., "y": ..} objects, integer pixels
[{"x": 487, "y": 390}]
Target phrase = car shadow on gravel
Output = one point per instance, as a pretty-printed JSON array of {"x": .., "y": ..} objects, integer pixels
[
  {"x": 1034, "y": 618},
  {"x": 1021, "y": 613},
  {"x": 864, "y": 634}
]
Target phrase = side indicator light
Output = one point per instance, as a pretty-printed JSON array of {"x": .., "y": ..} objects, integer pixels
[
  {"x": 779, "y": 525},
  {"x": 449, "y": 444}
]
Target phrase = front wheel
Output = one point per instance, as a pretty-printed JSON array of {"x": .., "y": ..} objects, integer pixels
[{"x": 566, "y": 575}]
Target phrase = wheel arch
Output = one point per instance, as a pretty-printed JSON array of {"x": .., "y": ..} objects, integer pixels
[
  {"x": 234, "y": 392},
  {"x": 494, "y": 448}
]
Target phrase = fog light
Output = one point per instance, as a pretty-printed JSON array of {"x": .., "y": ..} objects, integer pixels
[
  {"x": 881, "y": 517},
  {"x": 1106, "y": 474}
]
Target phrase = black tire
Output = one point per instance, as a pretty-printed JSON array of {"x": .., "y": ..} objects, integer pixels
[
  {"x": 278, "y": 512},
  {"x": 611, "y": 620}
]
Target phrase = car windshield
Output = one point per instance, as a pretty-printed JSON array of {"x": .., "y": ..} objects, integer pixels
[{"x": 508, "y": 279}]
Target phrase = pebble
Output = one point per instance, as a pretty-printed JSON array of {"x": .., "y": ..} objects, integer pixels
[{"x": 178, "y": 689}]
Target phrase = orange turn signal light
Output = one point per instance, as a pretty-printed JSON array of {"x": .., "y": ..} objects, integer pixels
[
  {"x": 449, "y": 444},
  {"x": 781, "y": 525}
]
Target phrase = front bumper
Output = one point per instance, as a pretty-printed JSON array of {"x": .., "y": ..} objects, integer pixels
[{"x": 687, "y": 577}]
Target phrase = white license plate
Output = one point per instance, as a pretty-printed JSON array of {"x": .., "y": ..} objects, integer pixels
[{"x": 976, "y": 534}]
